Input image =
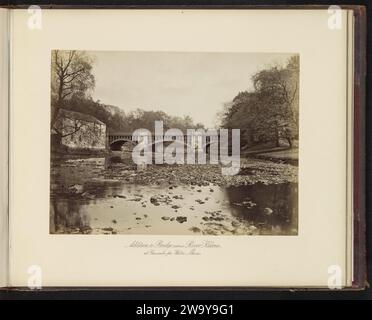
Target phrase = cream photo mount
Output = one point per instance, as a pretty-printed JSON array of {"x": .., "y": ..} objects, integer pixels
[{"x": 303, "y": 261}]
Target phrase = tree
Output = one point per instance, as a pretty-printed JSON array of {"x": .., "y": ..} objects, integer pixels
[
  {"x": 278, "y": 90},
  {"x": 71, "y": 77},
  {"x": 269, "y": 112}
]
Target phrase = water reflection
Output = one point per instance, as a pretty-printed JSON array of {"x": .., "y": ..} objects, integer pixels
[
  {"x": 68, "y": 216},
  {"x": 271, "y": 207},
  {"x": 113, "y": 207}
]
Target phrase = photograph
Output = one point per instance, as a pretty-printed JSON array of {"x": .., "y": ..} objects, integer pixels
[
  {"x": 184, "y": 152},
  {"x": 174, "y": 143}
]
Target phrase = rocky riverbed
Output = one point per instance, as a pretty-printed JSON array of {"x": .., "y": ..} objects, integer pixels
[{"x": 177, "y": 199}]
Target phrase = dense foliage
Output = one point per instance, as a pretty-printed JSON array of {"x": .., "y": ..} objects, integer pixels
[
  {"x": 270, "y": 111},
  {"x": 118, "y": 120}
]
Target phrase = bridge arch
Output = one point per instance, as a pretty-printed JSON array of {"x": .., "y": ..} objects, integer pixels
[
  {"x": 121, "y": 143},
  {"x": 118, "y": 141}
]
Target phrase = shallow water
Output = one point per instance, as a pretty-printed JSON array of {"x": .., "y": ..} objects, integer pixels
[{"x": 99, "y": 205}]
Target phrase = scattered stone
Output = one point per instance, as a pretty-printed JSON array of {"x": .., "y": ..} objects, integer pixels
[
  {"x": 88, "y": 195},
  {"x": 119, "y": 196},
  {"x": 195, "y": 229},
  {"x": 210, "y": 232},
  {"x": 156, "y": 200},
  {"x": 85, "y": 229},
  {"x": 268, "y": 211},
  {"x": 235, "y": 224},
  {"x": 108, "y": 229},
  {"x": 76, "y": 188},
  {"x": 114, "y": 221},
  {"x": 153, "y": 199},
  {"x": 165, "y": 218},
  {"x": 249, "y": 204},
  {"x": 263, "y": 171},
  {"x": 181, "y": 219}
]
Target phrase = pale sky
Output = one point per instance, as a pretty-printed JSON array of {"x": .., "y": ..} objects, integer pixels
[{"x": 195, "y": 84}]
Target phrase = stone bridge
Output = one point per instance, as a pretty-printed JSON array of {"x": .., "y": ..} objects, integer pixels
[{"x": 115, "y": 140}]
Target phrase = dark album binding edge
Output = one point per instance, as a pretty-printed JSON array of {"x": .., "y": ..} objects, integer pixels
[
  {"x": 357, "y": 141},
  {"x": 359, "y": 101},
  {"x": 4, "y": 145}
]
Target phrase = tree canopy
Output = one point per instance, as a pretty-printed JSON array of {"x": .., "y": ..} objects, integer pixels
[
  {"x": 117, "y": 119},
  {"x": 71, "y": 77},
  {"x": 270, "y": 111}
]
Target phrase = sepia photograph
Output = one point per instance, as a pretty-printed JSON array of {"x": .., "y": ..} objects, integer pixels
[
  {"x": 174, "y": 143},
  {"x": 190, "y": 140}
]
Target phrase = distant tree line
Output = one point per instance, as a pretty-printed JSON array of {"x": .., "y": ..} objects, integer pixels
[
  {"x": 269, "y": 112},
  {"x": 117, "y": 119}
]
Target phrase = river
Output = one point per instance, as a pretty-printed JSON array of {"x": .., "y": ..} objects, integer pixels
[{"x": 88, "y": 199}]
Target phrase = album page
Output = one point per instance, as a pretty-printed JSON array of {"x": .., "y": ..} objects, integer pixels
[{"x": 179, "y": 148}]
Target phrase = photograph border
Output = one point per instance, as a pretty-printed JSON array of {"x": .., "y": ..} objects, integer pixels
[{"x": 358, "y": 172}]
